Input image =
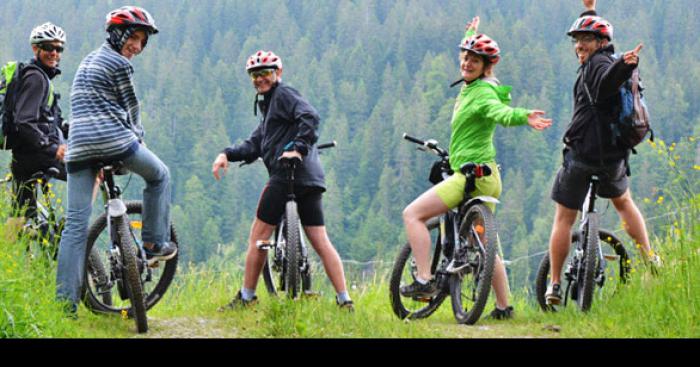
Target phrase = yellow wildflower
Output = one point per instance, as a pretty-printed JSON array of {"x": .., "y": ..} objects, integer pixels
[
  {"x": 672, "y": 163},
  {"x": 696, "y": 167},
  {"x": 660, "y": 200},
  {"x": 125, "y": 315}
]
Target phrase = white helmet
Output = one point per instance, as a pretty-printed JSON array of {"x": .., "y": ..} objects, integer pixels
[
  {"x": 263, "y": 60},
  {"x": 47, "y": 32}
]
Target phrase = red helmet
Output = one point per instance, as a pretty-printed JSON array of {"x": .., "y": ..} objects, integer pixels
[
  {"x": 592, "y": 24},
  {"x": 131, "y": 16},
  {"x": 263, "y": 60},
  {"x": 483, "y": 45}
]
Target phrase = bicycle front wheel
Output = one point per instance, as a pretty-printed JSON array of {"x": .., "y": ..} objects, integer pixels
[
  {"x": 470, "y": 286},
  {"x": 101, "y": 291},
  {"x": 292, "y": 276},
  {"x": 131, "y": 277},
  {"x": 405, "y": 272}
]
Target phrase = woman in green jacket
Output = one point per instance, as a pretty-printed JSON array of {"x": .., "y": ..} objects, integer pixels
[{"x": 482, "y": 103}]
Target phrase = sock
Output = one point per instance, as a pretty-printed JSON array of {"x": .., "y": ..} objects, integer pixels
[
  {"x": 247, "y": 294},
  {"x": 422, "y": 281},
  {"x": 343, "y": 297}
]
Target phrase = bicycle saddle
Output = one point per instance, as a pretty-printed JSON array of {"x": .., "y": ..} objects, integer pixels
[
  {"x": 116, "y": 167},
  {"x": 50, "y": 172}
]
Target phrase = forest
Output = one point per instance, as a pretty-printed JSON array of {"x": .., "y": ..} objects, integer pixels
[{"x": 375, "y": 69}]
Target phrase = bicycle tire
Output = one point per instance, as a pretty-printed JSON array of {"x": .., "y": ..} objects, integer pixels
[
  {"x": 293, "y": 251},
  {"x": 590, "y": 263},
  {"x": 480, "y": 284},
  {"x": 90, "y": 295},
  {"x": 404, "y": 308},
  {"x": 268, "y": 277},
  {"x": 131, "y": 274},
  {"x": 605, "y": 236}
]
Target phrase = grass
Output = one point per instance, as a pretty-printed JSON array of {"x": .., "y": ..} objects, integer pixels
[{"x": 663, "y": 306}]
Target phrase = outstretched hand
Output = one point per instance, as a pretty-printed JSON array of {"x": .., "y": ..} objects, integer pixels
[
  {"x": 537, "y": 121},
  {"x": 589, "y": 4},
  {"x": 220, "y": 163},
  {"x": 632, "y": 57},
  {"x": 473, "y": 25}
]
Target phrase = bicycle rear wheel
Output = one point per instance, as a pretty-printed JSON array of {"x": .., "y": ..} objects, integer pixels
[
  {"x": 617, "y": 267},
  {"x": 101, "y": 291},
  {"x": 132, "y": 279},
  {"x": 405, "y": 271},
  {"x": 587, "y": 273},
  {"x": 470, "y": 286}
]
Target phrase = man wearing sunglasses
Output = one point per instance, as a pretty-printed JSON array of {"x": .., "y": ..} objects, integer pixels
[
  {"x": 288, "y": 128},
  {"x": 38, "y": 141}
]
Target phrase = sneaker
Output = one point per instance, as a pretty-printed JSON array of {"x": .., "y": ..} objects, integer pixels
[
  {"x": 498, "y": 314},
  {"x": 238, "y": 302},
  {"x": 347, "y": 305},
  {"x": 418, "y": 290},
  {"x": 553, "y": 295},
  {"x": 162, "y": 252}
]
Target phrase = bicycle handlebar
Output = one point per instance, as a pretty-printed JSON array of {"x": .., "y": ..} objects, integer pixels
[
  {"x": 332, "y": 144},
  {"x": 430, "y": 144}
]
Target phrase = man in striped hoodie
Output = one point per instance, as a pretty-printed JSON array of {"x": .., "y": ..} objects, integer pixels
[{"x": 106, "y": 127}]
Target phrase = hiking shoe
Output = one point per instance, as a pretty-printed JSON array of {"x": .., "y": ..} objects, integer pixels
[
  {"x": 553, "y": 295},
  {"x": 498, "y": 314},
  {"x": 238, "y": 302},
  {"x": 162, "y": 252},
  {"x": 418, "y": 290},
  {"x": 347, "y": 305}
]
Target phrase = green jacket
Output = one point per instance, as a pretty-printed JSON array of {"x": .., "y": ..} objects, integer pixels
[{"x": 479, "y": 107}]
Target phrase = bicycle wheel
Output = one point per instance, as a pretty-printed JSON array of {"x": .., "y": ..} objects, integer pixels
[
  {"x": 589, "y": 265},
  {"x": 131, "y": 277},
  {"x": 292, "y": 276},
  {"x": 617, "y": 266},
  {"x": 470, "y": 286},
  {"x": 102, "y": 293},
  {"x": 268, "y": 278},
  {"x": 405, "y": 271}
]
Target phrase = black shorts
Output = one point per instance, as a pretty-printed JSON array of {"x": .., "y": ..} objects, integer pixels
[
  {"x": 571, "y": 185},
  {"x": 274, "y": 198}
]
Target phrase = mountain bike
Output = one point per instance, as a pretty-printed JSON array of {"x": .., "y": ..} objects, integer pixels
[
  {"x": 589, "y": 264},
  {"x": 463, "y": 254},
  {"x": 133, "y": 284},
  {"x": 288, "y": 253}
]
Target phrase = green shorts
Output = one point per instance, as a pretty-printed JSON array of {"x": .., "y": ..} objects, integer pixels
[{"x": 451, "y": 191}]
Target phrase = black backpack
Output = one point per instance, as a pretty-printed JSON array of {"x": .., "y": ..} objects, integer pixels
[{"x": 632, "y": 123}]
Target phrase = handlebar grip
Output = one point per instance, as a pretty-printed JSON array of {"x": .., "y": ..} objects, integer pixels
[
  {"x": 412, "y": 139},
  {"x": 332, "y": 144}
]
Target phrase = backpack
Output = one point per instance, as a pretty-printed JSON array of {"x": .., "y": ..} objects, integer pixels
[
  {"x": 10, "y": 80},
  {"x": 8, "y": 74},
  {"x": 632, "y": 125}
]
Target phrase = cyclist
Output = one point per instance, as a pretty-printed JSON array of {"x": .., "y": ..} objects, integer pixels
[
  {"x": 288, "y": 128},
  {"x": 38, "y": 141},
  {"x": 482, "y": 103},
  {"x": 586, "y": 149},
  {"x": 106, "y": 127}
]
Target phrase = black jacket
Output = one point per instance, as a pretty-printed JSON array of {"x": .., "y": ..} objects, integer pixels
[
  {"x": 287, "y": 117},
  {"x": 589, "y": 133},
  {"x": 38, "y": 125}
]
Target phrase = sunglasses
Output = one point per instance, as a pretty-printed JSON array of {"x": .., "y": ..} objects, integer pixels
[
  {"x": 263, "y": 73},
  {"x": 50, "y": 48},
  {"x": 583, "y": 38}
]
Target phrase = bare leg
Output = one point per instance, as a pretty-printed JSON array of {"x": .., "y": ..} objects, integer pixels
[
  {"x": 560, "y": 240},
  {"x": 415, "y": 215},
  {"x": 329, "y": 256},
  {"x": 255, "y": 259},
  {"x": 633, "y": 222}
]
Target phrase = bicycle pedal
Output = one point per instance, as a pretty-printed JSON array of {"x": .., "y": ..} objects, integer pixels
[
  {"x": 611, "y": 257},
  {"x": 264, "y": 244},
  {"x": 422, "y": 299}
]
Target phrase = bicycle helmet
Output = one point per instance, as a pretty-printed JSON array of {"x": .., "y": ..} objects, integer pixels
[
  {"x": 263, "y": 60},
  {"x": 482, "y": 45},
  {"x": 592, "y": 24},
  {"x": 47, "y": 32},
  {"x": 130, "y": 16}
]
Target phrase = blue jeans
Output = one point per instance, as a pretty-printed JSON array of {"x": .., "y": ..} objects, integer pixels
[{"x": 156, "y": 217}]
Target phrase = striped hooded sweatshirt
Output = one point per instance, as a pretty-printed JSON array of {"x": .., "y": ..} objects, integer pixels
[{"x": 105, "y": 122}]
